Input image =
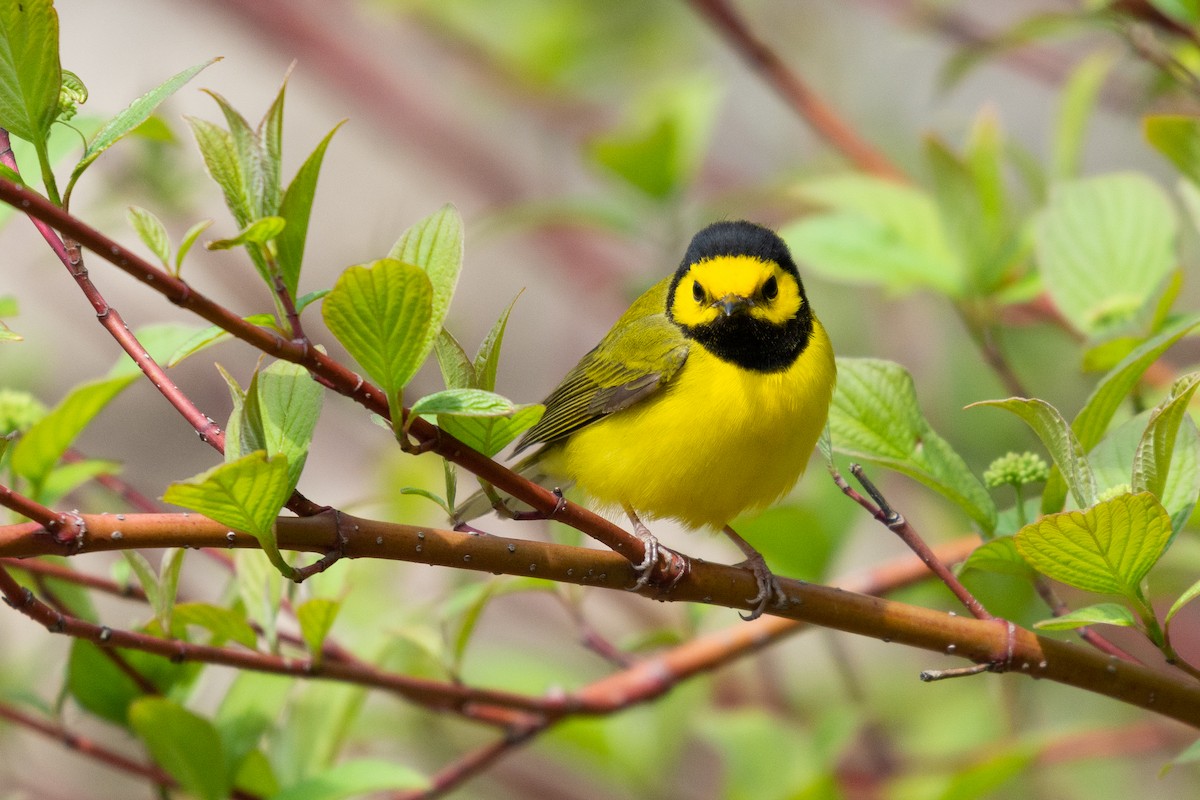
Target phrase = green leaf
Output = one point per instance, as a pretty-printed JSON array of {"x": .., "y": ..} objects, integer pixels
[
  {"x": 1099, "y": 614},
  {"x": 259, "y": 232},
  {"x": 158, "y": 341},
  {"x": 435, "y": 244},
  {"x": 464, "y": 403},
  {"x": 999, "y": 556},
  {"x": 184, "y": 744},
  {"x": 35, "y": 455},
  {"x": 1104, "y": 246},
  {"x": 152, "y": 233},
  {"x": 296, "y": 208},
  {"x": 490, "y": 435},
  {"x": 245, "y": 495},
  {"x": 269, "y": 151},
  {"x": 98, "y": 685},
  {"x": 282, "y": 406},
  {"x": 876, "y": 232},
  {"x": 1178, "y": 138},
  {"x": 248, "y": 151},
  {"x": 30, "y": 73},
  {"x": 66, "y": 478},
  {"x": 1079, "y": 95},
  {"x": 261, "y": 590},
  {"x": 355, "y": 779},
  {"x": 381, "y": 313},
  {"x": 1107, "y": 549},
  {"x": 1152, "y": 461},
  {"x": 875, "y": 417},
  {"x": 487, "y": 359},
  {"x": 1060, "y": 442},
  {"x": 146, "y": 575},
  {"x": 249, "y": 709},
  {"x": 189, "y": 239},
  {"x": 1109, "y": 394},
  {"x": 225, "y": 624},
  {"x": 1113, "y": 463},
  {"x": 168, "y": 576},
  {"x": 457, "y": 370},
  {"x": 134, "y": 115},
  {"x": 661, "y": 147},
  {"x": 206, "y": 338},
  {"x": 316, "y": 618},
  {"x": 221, "y": 162},
  {"x": 1188, "y": 596}
]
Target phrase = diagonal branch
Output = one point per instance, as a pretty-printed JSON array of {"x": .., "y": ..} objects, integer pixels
[{"x": 795, "y": 92}]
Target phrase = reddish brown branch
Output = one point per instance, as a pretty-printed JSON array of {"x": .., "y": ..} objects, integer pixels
[
  {"x": 97, "y": 752},
  {"x": 427, "y": 437},
  {"x": 1002, "y": 648}
]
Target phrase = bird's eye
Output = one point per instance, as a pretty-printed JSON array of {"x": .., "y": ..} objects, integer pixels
[
  {"x": 697, "y": 292},
  {"x": 770, "y": 289}
]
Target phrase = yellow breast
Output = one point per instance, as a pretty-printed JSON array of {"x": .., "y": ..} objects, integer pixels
[{"x": 715, "y": 442}]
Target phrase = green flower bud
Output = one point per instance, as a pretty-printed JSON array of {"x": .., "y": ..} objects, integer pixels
[{"x": 1016, "y": 469}]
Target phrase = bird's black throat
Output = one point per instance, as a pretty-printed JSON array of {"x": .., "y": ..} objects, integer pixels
[{"x": 755, "y": 344}]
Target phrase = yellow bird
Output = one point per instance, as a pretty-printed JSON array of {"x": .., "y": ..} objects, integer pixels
[{"x": 704, "y": 401}]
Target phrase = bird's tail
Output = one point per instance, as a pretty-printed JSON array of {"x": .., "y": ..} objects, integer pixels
[{"x": 481, "y": 502}]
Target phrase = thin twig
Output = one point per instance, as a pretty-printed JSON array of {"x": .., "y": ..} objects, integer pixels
[
  {"x": 807, "y": 103},
  {"x": 897, "y": 524}
]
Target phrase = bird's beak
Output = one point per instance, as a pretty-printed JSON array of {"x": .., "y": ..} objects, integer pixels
[{"x": 732, "y": 304}]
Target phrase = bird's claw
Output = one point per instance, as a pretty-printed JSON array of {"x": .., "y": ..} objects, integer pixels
[
  {"x": 770, "y": 593},
  {"x": 666, "y": 577}
]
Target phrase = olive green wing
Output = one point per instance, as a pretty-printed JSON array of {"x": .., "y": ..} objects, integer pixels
[{"x": 642, "y": 352}]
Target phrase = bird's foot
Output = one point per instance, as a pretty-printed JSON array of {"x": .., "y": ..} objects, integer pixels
[
  {"x": 660, "y": 566},
  {"x": 769, "y": 591}
]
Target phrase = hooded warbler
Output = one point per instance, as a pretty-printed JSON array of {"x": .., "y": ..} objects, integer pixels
[{"x": 704, "y": 401}]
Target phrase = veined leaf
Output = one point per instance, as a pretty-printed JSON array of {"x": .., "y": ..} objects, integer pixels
[
  {"x": 435, "y": 244},
  {"x": 1188, "y": 596},
  {"x": 221, "y": 161},
  {"x": 296, "y": 208},
  {"x": 1107, "y": 549},
  {"x": 134, "y": 115},
  {"x": 464, "y": 403},
  {"x": 245, "y": 495},
  {"x": 876, "y": 232},
  {"x": 490, "y": 435},
  {"x": 282, "y": 406},
  {"x": 1104, "y": 245},
  {"x": 875, "y": 417},
  {"x": 1059, "y": 440},
  {"x": 1000, "y": 556},
  {"x": 1152, "y": 461},
  {"x": 382, "y": 313},
  {"x": 30, "y": 72},
  {"x": 1113, "y": 464},
  {"x": 1109, "y": 394},
  {"x": 487, "y": 358},
  {"x": 457, "y": 370},
  {"x": 152, "y": 233},
  {"x": 260, "y": 231},
  {"x": 1099, "y": 614}
]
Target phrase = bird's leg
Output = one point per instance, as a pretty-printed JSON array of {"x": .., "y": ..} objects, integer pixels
[
  {"x": 768, "y": 586},
  {"x": 650, "y": 560}
]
